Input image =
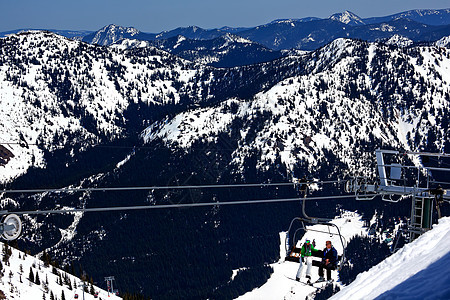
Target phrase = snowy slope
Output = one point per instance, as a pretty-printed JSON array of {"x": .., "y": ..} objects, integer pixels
[
  {"x": 417, "y": 271},
  {"x": 341, "y": 105},
  {"x": 55, "y": 92},
  {"x": 15, "y": 284}
]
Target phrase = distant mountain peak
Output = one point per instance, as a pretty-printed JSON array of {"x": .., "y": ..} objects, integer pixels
[
  {"x": 444, "y": 42},
  {"x": 113, "y": 33},
  {"x": 115, "y": 29},
  {"x": 399, "y": 41},
  {"x": 347, "y": 17}
]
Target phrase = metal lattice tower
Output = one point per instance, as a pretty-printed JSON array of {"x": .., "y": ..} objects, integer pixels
[{"x": 398, "y": 181}]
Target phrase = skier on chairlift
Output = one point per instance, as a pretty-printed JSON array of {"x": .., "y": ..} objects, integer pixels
[
  {"x": 329, "y": 261},
  {"x": 305, "y": 258}
]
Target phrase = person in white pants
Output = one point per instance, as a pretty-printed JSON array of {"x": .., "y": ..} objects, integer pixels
[{"x": 305, "y": 258}]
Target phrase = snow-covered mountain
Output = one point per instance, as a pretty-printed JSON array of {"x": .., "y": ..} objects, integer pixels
[
  {"x": 426, "y": 16},
  {"x": 227, "y": 50},
  {"x": 314, "y": 34},
  {"x": 72, "y": 92},
  {"x": 71, "y": 34},
  {"x": 192, "y": 32},
  {"x": 399, "y": 41},
  {"x": 113, "y": 33},
  {"x": 321, "y": 114},
  {"x": 444, "y": 42},
  {"x": 306, "y": 33},
  {"x": 307, "y": 19},
  {"x": 23, "y": 276},
  {"x": 347, "y": 17}
]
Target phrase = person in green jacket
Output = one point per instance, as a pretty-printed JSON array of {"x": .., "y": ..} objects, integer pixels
[{"x": 305, "y": 258}]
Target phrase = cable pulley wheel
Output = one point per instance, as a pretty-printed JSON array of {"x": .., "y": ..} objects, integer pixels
[{"x": 15, "y": 221}]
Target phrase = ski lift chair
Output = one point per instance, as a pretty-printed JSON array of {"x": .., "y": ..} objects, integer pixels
[{"x": 293, "y": 253}]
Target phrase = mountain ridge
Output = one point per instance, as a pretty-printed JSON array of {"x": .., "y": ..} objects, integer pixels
[
  {"x": 283, "y": 33},
  {"x": 225, "y": 51},
  {"x": 96, "y": 116}
]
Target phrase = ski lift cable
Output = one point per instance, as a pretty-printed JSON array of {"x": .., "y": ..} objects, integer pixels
[
  {"x": 132, "y": 188},
  {"x": 92, "y": 146},
  {"x": 163, "y": 206},
  {"x": 17, "y": 143},
  {"x": 422, "y": 153},
  {"x": 439, "y": 182}
]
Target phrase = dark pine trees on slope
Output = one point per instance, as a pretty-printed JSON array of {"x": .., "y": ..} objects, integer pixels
[{"x": 363, "y": 253}]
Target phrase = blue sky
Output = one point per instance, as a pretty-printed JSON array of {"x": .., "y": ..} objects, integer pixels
[{"x": 156, "y": 16}]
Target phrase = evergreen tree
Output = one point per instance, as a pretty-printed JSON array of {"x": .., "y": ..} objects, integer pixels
[
  {"x": 328, "y": 291},
  {"x": 31, "y": 275},
  {"x": 63, "y": 297},
  {"x": 36, "y": 279},
  {"x": 6, "y": 253},
  {"x": 362, "y": 253},
  {"x": 46, "y": 259},
  {"x": 52, "y": 297},
  {"x": 72, "y": 269},
  {"x": 69, "y": 283}
]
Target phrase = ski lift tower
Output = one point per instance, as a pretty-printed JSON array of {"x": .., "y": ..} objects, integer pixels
[
  {"x": 83, "y": 286},
  {"x": 398, "y": 181},
  {"x": 109, "y": 283}
]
